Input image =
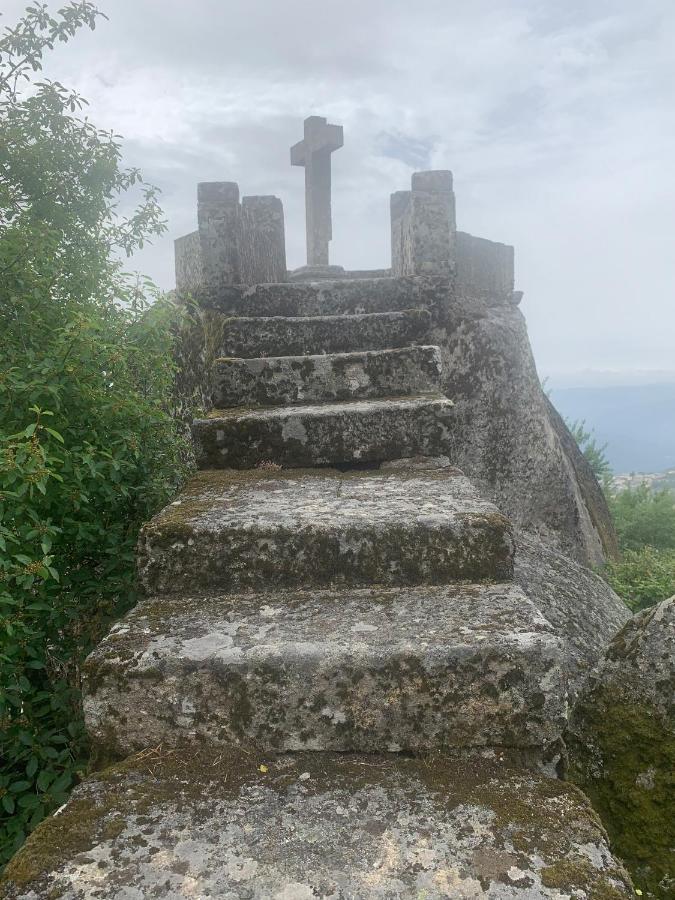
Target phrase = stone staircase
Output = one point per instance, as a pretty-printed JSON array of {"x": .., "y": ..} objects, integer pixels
[{"x": 333, "y": 689}]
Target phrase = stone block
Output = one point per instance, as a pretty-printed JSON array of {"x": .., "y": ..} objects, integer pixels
[
  {"x": 484, "y": 268},
  {"x": 189, "y": 264},
  {"x": 279, "y": 380},
  {"x": 262, "y": 241},
  {"x": 218, "y": 216},
  {"x": 317, "y": 825},
  {"x": 374, "y": 670},
  {"x": 268, "y": 528},
  {"x": 325, "y": 298},
  {"x": 293, "y": 336},
  {"x": 348, "y": 431},
  {"x": 423, "y": 227},
  {"x": 435, "y": 181}
]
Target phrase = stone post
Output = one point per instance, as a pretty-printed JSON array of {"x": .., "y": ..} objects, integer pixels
[
  {"x": 423, "y": 226},
  {"x": 218, "y": 217},
  {"x": 262, "y": 248}
]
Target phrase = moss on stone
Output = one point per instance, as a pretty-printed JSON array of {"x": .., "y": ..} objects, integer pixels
[{"x": 623, "y": 757}]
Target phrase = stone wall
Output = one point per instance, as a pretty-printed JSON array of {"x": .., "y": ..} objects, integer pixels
[{"x": 483, "y": 268}]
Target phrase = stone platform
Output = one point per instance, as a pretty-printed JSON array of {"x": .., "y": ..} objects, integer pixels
[
  {"x": 278, "y": 380},
  {"x": 316, "y": 826},
  {"x": 407, "y": 669},
  {"x": 264, "y": 528},
  {"x": 293, "y": 335},
  {"x": 320, "y": 434}
]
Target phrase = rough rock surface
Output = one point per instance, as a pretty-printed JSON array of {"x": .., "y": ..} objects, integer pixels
[
  {"x": 324, "y": 298},
  {"x": 292, "y": 336},
  {"x": 262, "y": 528},
  {"x": 279, "y": 380},
  {"x": 363, "y": 670},
  {"x": 583, "y": 609},
  {"x": 505, "y": 440},
  {"x": 315, "y": 826},
  {"x": 622, "y": 746},
  {"x": 323, "y": 433}
]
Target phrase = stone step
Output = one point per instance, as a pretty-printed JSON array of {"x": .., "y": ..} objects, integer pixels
[
  {"x": 325, "y": 298},
  {"x": 278, "y": 380},
  {"x": 366, "y": 670},
  {"x": 261, "y": 528},
  {"x": 250, "y": 337},
  {"x": 314, "y": 826},
  {"x": 324, "y": 433}
]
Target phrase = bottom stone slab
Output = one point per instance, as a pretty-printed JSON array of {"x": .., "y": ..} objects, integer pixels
[{"x": 311, "y": 826}]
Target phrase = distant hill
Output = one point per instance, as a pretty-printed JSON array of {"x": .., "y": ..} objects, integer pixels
[{"x": 637, "y": 422}]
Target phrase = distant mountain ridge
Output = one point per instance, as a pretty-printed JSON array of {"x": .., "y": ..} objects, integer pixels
[{"x": 637, "y": 422}]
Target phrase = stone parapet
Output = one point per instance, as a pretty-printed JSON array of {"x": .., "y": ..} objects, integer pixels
[
  {"x": 484, "y": 268},
  {"x": 235, "y": 243}
]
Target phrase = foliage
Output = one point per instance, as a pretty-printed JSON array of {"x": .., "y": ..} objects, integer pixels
[
  {"x": 643, "y": 577},
  {"x": 87, "y": 448},
  {"x": 594, "y": 452},
  {"x": 643, "y": 517}
]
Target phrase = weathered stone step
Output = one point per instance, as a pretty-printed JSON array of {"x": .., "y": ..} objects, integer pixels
[
  {"x": 313, "y": 826},
  {"x": 260, "y": 528},
  {"x": 325, "y": 298},
  {"x": 278, "y": 380},
  {"x": 299, "y": 335},
  {"x": 323, "y": 434},
  {"x": 368, "y": 670}
]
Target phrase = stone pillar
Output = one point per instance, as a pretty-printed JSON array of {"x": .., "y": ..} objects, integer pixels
[
  {"x": 423, "y": 226},
  {"x": 218, "y": 217},
  {"x": 262, "y": 248}
]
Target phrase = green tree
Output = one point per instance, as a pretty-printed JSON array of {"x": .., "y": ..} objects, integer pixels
[
  {"x": 643, "y": 517},
  {"x": 88, "y": 449},
  {"x": 593, "y": 451}
]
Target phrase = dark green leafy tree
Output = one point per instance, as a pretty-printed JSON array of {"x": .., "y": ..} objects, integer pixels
[{"x": 88, "y": 449}]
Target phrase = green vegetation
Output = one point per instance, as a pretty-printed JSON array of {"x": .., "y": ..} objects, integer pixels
[
  {"x": 594, "y": 452},
  {"x": 644, "y": 519},
  {"x": 88, "y": 449}
]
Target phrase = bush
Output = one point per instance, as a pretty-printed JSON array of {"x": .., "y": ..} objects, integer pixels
[
  {"x": 643, "y": 577},
  {"x": 643, "y": 517},
  {"x": 88, "y": 449}
]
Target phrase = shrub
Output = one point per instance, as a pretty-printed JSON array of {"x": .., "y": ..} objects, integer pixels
[
  {"x": 643, "y": 517},
  {"x": 88, "y": 449},
  {"x": 643, "y": 577}
]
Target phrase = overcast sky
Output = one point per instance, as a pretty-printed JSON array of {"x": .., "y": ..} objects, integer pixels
[{"x": 557, "y": 120}]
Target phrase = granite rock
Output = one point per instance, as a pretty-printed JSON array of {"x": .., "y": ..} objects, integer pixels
[
  {"x": 582, "y": 608},
  {"x": 276, "y": 381},
  {"x": 263, "y": 528},
  {"x": 316, "y": 826},
  {"x": 323, "y": 433},
  {"x": 298, "y": 335},
  {"x": 622, "y": 746},
  {"x": 364, "y": 670}
]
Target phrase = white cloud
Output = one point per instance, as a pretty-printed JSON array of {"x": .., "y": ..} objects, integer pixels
[{"x": 557, "y": 120}]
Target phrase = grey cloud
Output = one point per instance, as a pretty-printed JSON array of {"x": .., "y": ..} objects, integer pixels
[{"x": 556, "y": 119}]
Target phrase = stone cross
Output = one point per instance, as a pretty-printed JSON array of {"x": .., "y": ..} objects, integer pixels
[{"x": 313, "y": 152}]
